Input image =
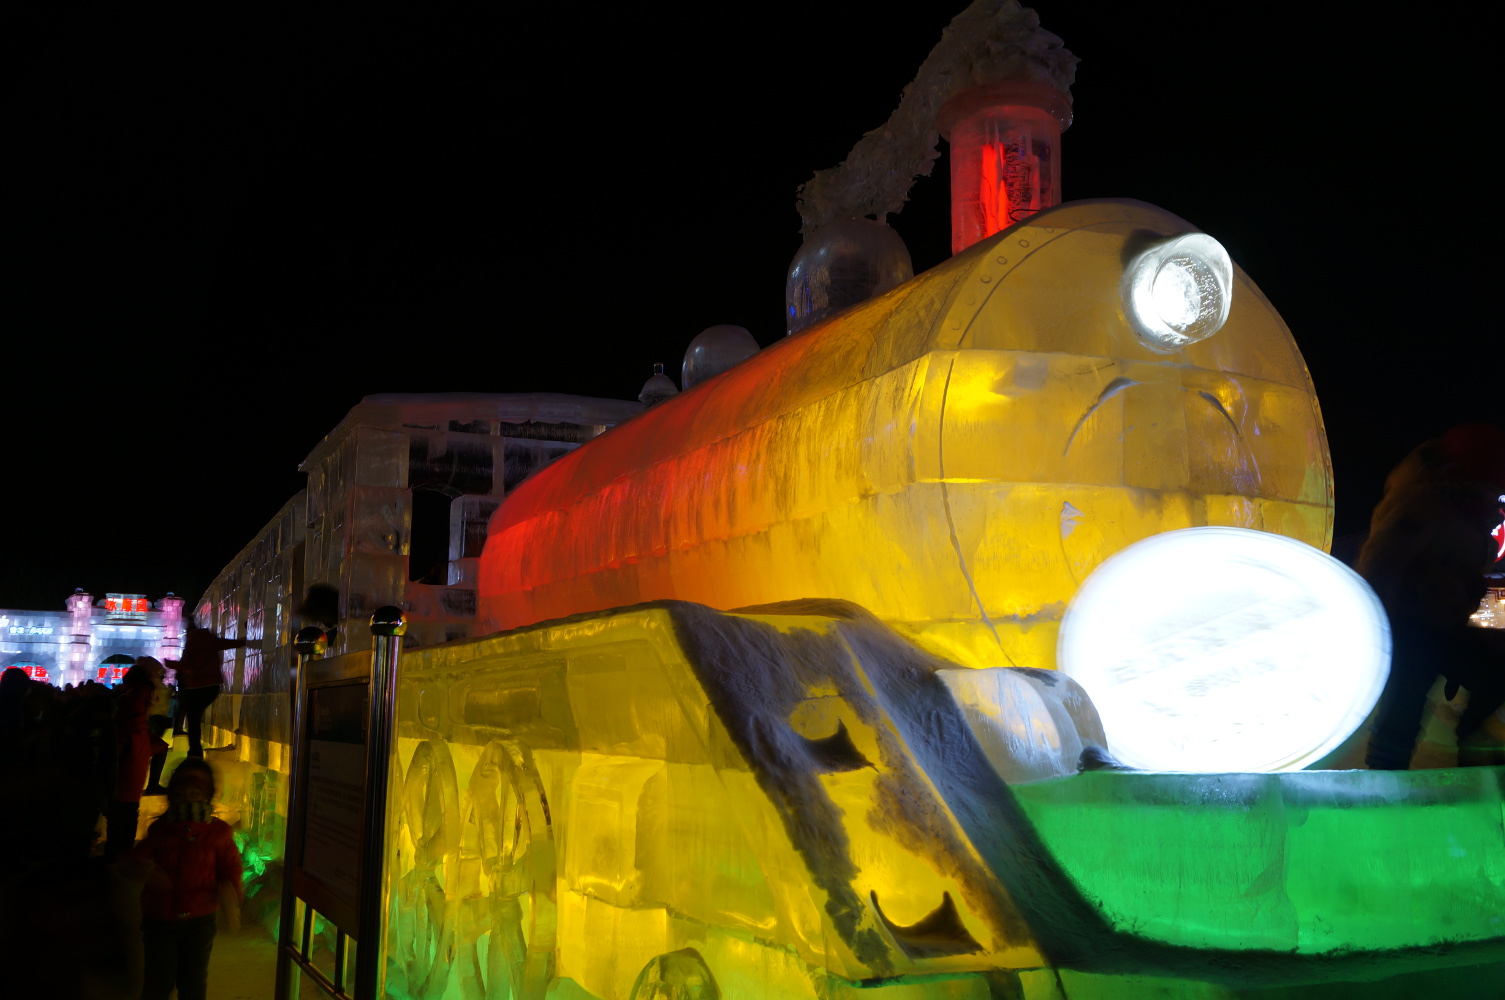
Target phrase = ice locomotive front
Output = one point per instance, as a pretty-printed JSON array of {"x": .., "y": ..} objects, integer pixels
[{"x": 955, "y": 455}]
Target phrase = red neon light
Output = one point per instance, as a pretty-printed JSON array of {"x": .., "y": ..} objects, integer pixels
[
  {"x": 128, "y": 606},
  {"x": 1499, "y": 536},
  {"x": 1015, "y": 178}
]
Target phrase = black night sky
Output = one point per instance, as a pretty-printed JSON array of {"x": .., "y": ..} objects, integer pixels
[{"x": 225, "y": 224}]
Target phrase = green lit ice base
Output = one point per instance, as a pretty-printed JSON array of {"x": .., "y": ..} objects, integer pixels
[{"x": 1304, "y": 862}]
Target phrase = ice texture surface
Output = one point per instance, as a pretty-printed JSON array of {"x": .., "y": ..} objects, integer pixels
[
  {"x": 714, "y": 350},
  {"x": 1310, "y": 861},
  {"x": 1031, "y": 724},
  {"x": 839, "y": 265}
]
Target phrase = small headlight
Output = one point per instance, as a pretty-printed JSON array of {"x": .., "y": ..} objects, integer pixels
[{"x": 1177, "y": 291}]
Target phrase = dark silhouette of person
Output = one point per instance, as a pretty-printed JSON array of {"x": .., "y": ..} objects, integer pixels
[
  {"x": 13, "y": 687},
  {"x": 199, "y": 679},
  {"x": 133, "y": 700},
  {"x": 1428, "y": 549},
  {"x": 321, "y": 606},
  {"x": 159, "y": 718}
]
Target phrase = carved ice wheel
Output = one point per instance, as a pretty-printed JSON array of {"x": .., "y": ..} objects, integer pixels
[
  {"x": 508, "y": 815},
  {"x": 424, "y": 933}
]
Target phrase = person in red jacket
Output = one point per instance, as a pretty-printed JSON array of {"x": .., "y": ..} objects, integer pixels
[
  {"x": 199, "y": 679},
  {"x": 191, "y": 868}
]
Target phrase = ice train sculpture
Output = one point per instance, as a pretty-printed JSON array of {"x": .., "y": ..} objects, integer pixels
[
  {"x": 766, "y": 710},
  {"x": 955, "y": 455},
  {"x": 851, "y": 784}
]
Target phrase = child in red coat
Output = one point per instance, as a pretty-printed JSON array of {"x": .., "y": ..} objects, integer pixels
[{"x": 191, "y": 867}]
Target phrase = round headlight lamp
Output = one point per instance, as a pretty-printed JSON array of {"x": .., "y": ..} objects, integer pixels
[
  {"x": 1177, "y": 291},
  {"x": 1226, "y": 649}
]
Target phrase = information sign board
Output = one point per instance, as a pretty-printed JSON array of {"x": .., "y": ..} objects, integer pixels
[
  {"x": 335, "y": 818},
  {"x": 325, "y": 845}
]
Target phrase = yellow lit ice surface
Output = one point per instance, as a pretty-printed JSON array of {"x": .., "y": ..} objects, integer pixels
[
  {"x": 956, "y": 456},
  {"x": 672, "y": 803},
  {"x": 575, "y": 805}
]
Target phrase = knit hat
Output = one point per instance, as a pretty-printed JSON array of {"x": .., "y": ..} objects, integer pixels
[{"x": 195, "y": 770}]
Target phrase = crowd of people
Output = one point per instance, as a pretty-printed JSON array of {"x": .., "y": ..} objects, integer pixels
[{"x": 76, "y": 756}]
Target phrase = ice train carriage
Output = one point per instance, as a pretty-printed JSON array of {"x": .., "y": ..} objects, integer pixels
[{"x": 798, "y": 800}]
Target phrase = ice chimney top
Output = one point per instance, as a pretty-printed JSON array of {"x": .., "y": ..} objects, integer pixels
[{"x": 991, "y": 42}]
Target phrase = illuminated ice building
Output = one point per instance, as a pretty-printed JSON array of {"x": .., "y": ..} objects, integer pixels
[
  {"x": 394, "y": 513},
  {"x": 977, "y": 640},
  {"x": 93, "y": 640}
]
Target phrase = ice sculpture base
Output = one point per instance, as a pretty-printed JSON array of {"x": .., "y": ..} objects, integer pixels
[{"x": 790, "y": 802}]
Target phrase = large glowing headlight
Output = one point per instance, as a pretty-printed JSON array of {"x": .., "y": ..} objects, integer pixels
[
  {"x": 1177, "y": 291},
  {"x": 1225, "y": 649}
]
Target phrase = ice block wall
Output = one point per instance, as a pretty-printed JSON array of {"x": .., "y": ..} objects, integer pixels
[
  {"x": 254, "y": 597},
  {"x": 955, "y": 455},
  {"x": 353, "y": 527},
  {"x": 463, "y": 451}
]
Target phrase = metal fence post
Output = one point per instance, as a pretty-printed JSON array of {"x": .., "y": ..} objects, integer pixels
[
  {"x": 309, "y": 644},
  {"x": 387, "y": 628}
]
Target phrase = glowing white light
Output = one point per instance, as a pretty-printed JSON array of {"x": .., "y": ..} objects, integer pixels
[
  {"x": 1178, "y": 291},
  {"x": 1225, "y": 649},
  {"x": 1175, "y": 294}
]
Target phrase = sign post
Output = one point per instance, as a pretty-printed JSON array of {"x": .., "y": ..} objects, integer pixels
[
  {"x": 387, "y": 628},
  {"x": 308, "y": 645},
  {"x": 337, "y": 812}
]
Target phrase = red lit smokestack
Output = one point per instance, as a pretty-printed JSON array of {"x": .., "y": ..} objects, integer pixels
[{"x": 1005, "y": 155}]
